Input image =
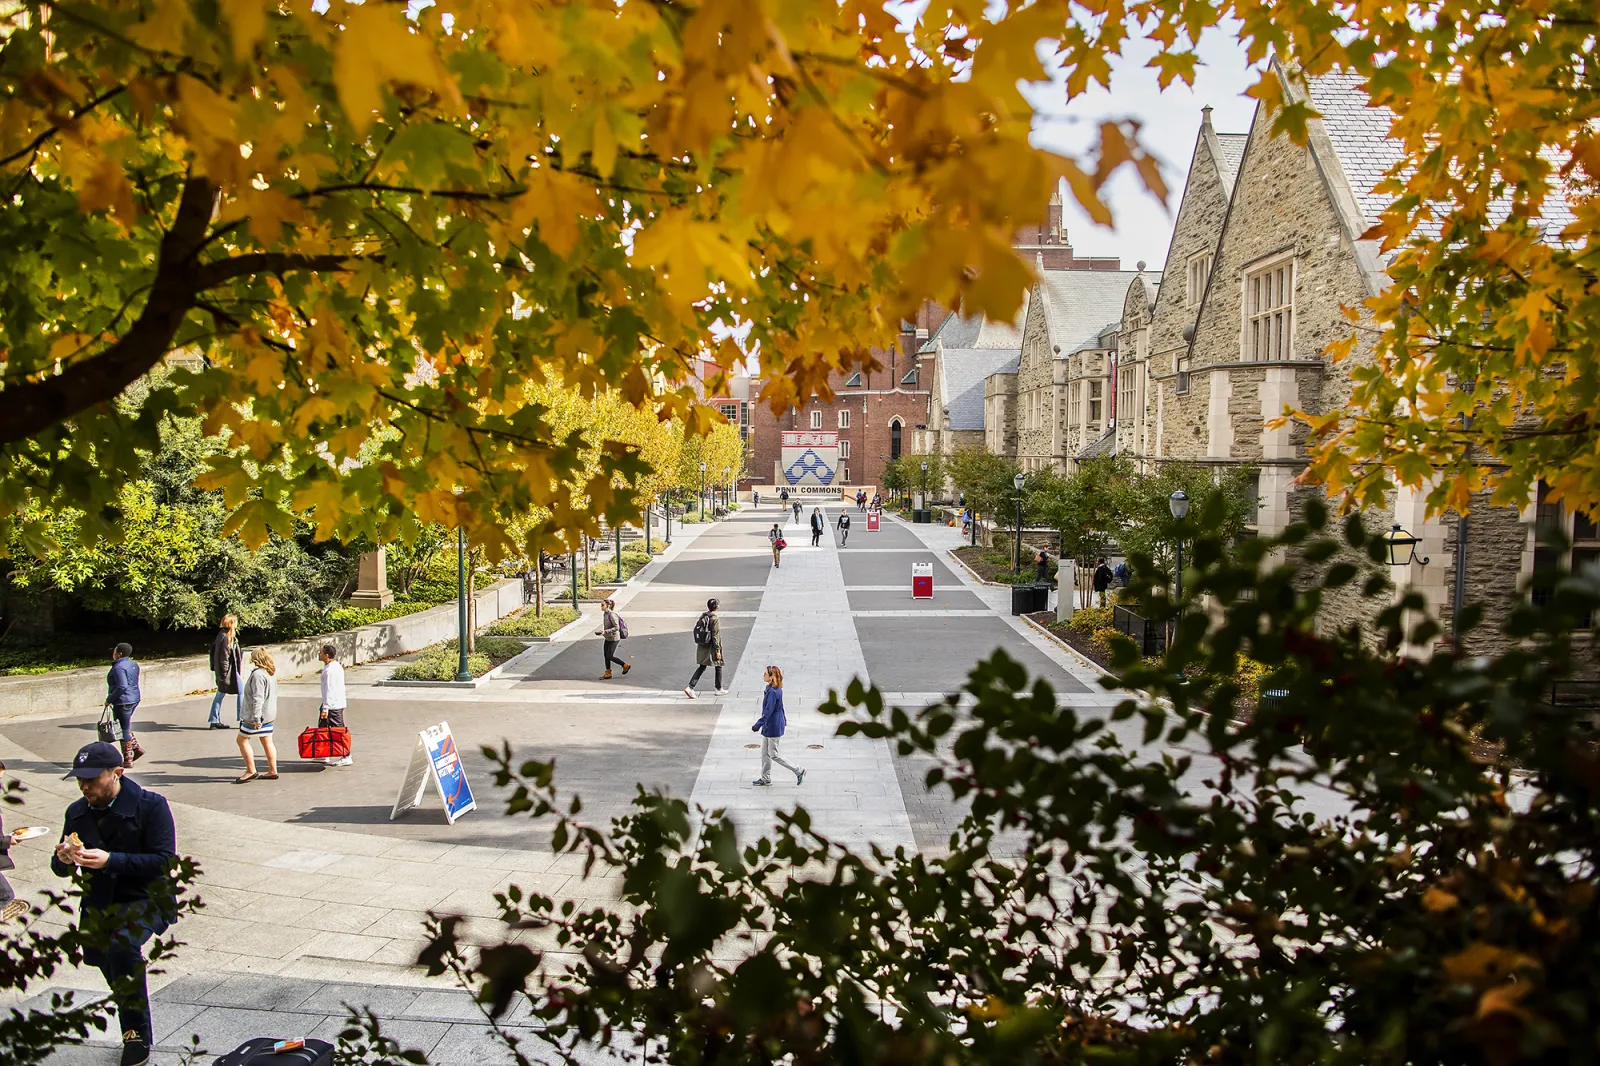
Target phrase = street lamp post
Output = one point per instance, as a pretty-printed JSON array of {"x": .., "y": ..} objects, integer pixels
[
  {"x": 619, "y": 553},
  {"x": 463, "y": 668},
  {"x": 1178, "y": 504},
  {"x": 727, "y": 486},
  {"x": 702, "y": 492},
  {"x": 572, "y": 568},
  {"x": 924, "y": 486},
  {"x": 1016, "y": 547},
  {"x": 666, "y": 513}
]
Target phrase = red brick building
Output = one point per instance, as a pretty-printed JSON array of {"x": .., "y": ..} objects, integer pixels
[{"x": 877, "y": 414}]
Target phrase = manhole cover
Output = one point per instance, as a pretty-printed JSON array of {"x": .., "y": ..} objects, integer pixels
[
  {"x": 817, "y": 747},
  {"x": 752, "y": 745}
]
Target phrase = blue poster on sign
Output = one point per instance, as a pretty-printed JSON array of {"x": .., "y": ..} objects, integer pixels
[{"x": 448, "y": 773}]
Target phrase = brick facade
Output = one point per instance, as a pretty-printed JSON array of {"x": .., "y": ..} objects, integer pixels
[{"x": 881, "y": 401}]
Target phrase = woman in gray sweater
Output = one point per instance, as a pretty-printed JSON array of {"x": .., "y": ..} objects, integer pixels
[{"x": 258, "y": 709}]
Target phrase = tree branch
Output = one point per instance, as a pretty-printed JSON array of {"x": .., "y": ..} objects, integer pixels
[
  {"x": 31, "y": 408},
  {"x": 37, "y": 142}
]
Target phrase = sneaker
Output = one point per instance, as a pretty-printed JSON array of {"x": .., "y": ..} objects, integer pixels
[
  {"x": 690, "y": 693},
  {"x": 13, "y": 910},
  {"x": 219, "y": 725},
  {"x": 135, "y": 1052},
  {"x": 799, "y": 776},
  {"x": 758, "y": 781},
  {"x": 345, "y": 761},
  {"x": 722, "y": 692}
]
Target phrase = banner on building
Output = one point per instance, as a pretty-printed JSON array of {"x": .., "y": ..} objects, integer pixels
[{"x": 809, "y": 457}]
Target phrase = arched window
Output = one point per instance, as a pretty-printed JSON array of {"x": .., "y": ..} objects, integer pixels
[{"x": 894, "y": 439}]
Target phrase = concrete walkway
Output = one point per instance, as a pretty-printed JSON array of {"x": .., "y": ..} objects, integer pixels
[{"x": 307, "y": 882}]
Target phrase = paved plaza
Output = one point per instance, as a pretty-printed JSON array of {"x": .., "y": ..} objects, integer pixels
[{"x": 315, "y": 897}]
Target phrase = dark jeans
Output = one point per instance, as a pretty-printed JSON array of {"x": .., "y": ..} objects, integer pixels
[
  {"x": 609, "y": 648},
  {"x": 700, "y": 670},
  {"x": 816, "y": 537},
  {"x": 844, "y": 535},
  {"x": 124, "y": 713},
  {"x": 123, "y": 967}
]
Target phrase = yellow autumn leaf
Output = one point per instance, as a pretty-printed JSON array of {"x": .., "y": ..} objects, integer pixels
[
  {"x": 377, "y": 47},
  {"x": 247, "y": 19},
  {"x": 1436, "y": 899}
]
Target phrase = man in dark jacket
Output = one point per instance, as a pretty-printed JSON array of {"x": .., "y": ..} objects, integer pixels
[
  {"x": 1102, "y": 580},
  {"x": 119, "y": 839},
  {"x": 707, "y": 650},
  {"x": 122, "y": 696},
  {"x": 818, "y": 526}
]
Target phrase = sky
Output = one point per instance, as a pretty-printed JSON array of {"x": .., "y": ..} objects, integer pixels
[{"x": 1169, "y": 120}]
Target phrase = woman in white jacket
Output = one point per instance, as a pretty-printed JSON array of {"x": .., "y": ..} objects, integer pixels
[{"x": 258, "y": 699}]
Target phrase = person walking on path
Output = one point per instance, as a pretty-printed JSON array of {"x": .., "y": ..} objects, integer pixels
[
  {"x": 707, "y": 649},
  {"x": 612, "y": 630},
  {"x": 775, "y": 538},
  {"x": 226, "y": 660},
  {"x": 796, "y": 505},
  {"x": 11, "y": 908},
  {"x": 844, "y": 527},
  {"x": 333, "y": 698},
  {"x": 1041, "y": 566},
  {"x": 771, "y": 727},
  {"x": 861, "y": 500},
  {"x": 755, "y": 499},
  {"x": 819, "y": 525},
  {"x": 1122, "y": 573},
  {"x": 120, "y": 840},
  {"x": 527, "y": 585},
  {"x": 122, "y": 696},
  {"x": 1102, "y": 579},
  {"x": 260, "y": 711},
  {"x": 783, "y": 501}
]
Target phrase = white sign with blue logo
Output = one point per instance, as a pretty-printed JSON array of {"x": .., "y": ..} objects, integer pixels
[{"x": 809, "y": 457}]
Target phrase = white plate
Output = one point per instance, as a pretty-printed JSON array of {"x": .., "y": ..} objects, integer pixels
[{"x": 28, "y": 832}]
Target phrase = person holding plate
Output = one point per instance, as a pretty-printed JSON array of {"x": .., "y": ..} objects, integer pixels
[
  {"x": 119, "y": 840},
  {"x": 11, "y": 908}
]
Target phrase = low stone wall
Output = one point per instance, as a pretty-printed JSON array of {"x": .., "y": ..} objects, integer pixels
[{"x": 170, "y": 679}]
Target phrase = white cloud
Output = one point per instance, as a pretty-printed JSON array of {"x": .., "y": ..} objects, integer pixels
[{"x": 1169, "y": 121}]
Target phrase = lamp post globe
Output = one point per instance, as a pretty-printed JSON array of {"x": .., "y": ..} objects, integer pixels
[{"x": 1178, "y": 504}]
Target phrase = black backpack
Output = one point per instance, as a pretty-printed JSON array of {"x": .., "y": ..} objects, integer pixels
[{"x": 703, "y": 634}]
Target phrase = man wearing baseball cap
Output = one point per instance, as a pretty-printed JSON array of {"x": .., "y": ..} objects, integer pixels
[{"x": 120, "y": 840}]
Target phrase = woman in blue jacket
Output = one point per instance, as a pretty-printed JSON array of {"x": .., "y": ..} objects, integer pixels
[{"x": 771, "y": 728}]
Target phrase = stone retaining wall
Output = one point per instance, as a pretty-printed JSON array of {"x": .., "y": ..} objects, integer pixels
[{"x": 170, "y": 679}]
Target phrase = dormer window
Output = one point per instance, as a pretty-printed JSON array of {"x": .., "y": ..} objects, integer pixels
[{"x": 854, "y": 381}]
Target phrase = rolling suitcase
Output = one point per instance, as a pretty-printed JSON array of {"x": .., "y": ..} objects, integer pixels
[{"x": 259, "y": 1052}]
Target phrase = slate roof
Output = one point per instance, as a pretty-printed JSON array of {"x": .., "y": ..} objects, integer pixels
[
  {"x": 977, "y": 332},
  {"x": 1232, "y": 154},
  {"x": 1079, "y": 303},
  {"x": 962, "y": 372},
  {"x": 1105, "y": 445},
  {"x": 1360, "y": 136}
]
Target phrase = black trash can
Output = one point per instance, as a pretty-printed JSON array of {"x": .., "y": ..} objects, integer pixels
[
  {"x": 1272, "y": 699},
  {"x": 1041, "y": 595},
  {"x": 1022, "y": 599}
]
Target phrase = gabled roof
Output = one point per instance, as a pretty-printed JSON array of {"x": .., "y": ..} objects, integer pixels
[
  {"x": 1231, "y": 154},
  {"x": 977, "y": 332},
  {"x": 1079, "y": 303},
  {"x": 962, "y": 372},
  {"x": 1106, "y": 444}
]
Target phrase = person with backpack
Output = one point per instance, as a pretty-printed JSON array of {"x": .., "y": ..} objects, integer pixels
[
  {"x": 122, "y": 696},
  {"x": 1102, "y": 579},
  {"x": 1041, "y": 566},
  {"x": 783, "y": 501},
  {"x": 227, "y": 662},
  {"x": 771, "y": 727},
  {"x": 819, "y": 525},
  {"x": 612, "y": 631},
  {"x": 775, "y": 538},
  {"x": 707, "y": 649},
  {"x": 844, "y": 527},
  {"x": 795, "y": 504},
  {"x": 1122, "y": 574}
]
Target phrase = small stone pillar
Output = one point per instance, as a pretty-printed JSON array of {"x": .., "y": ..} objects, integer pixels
[
  {"x": 372, "y": 585},
  {"x": 1067, "y": 590}
]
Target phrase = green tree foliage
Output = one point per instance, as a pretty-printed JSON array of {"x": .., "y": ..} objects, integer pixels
[
  {"x": 935, "y": 479},
  {"x": 1081, "y": 506},
  {"x": 1222, "y": 505},
  {"x": 985, "y": 478},
  {"x": 174, "y": 564},
  {"x": 1346, "y": 876}
]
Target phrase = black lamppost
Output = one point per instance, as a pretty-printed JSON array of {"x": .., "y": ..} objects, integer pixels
[
  {"x": 1178, "y": 504},
  {"x": 924, "y": 485},
  {"x": 727, "y": 486},
  {"x": 463, "y": 668},
  {"x": 1016, "y": 547},
  {"x": 702, "y": 492},
  {"x": 619, "y": 553}
]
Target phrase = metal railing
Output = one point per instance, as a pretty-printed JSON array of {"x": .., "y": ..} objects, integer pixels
[{"x": 1149, "y": 637}]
